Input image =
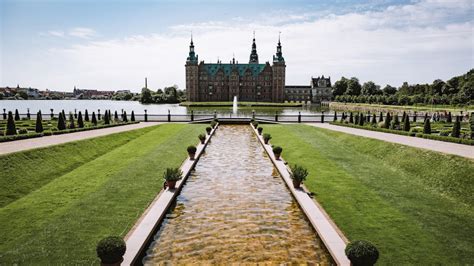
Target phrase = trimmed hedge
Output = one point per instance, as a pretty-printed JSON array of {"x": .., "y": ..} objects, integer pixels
[
  {"x": 60, "y": 132},
  {"x": 410, "y": 134}
]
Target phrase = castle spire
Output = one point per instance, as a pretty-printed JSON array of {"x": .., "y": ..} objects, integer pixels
[
  {"x": 279, "y": 55},
  {"x": 192, "y": 56},
  {"x": 253, "y": 54}
]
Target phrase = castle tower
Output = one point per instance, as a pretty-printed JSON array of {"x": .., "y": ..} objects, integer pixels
[
  {"x": 253, "y": 54},
  {"x": 192, "y": 74},
  {"x": 278, "y": 69}
]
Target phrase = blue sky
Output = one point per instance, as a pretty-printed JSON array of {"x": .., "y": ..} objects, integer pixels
[{"x": 114, "y": 44}]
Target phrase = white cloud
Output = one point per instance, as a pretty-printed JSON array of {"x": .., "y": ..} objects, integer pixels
[
  {"x": 84, "y": 33},
  {"x": 417, "y": 43}
]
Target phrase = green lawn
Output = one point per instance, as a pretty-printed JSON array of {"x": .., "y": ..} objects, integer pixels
[
  {"x": 419, "y": 107},
  {"x": 415, "y": 205},
  {"x": 58, "y": 202}
]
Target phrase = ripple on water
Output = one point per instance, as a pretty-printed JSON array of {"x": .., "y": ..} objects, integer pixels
[{"x": 232, "y": 209}]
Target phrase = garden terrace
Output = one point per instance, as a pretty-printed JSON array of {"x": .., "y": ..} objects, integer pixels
[
  {"x": 415, "y": 205},
  {"x": 63, "y": 199}
]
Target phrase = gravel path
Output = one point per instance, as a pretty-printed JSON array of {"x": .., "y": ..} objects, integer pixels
[
  {"x": 27, "y": 144},
  {"x": 434, "y": 145}
]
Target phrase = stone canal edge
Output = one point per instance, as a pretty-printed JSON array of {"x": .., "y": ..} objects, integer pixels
[{"x": 327, "y": 230}]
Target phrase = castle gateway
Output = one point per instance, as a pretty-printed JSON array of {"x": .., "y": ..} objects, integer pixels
[{"x": 249, "y": 82}]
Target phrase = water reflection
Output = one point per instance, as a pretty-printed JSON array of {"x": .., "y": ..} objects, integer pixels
[{"x": 234, "y": 209}]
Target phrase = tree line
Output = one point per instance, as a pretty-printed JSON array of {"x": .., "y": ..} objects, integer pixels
[
  {"x": 457, "y": 90},
  {"x": 166, "y": 95}
]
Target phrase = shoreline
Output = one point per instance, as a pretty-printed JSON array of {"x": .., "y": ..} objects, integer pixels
[{"x": 239, "y": 104}]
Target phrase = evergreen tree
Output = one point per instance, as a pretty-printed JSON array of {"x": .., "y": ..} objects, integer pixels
[
  {"x": 28, "y": 116},
  {"x": 94, "y": 119},
  {"x": 356, "y": 119},
  {"x": 64, "y": 115},
  {"x": 404, "y": 116},
  {"x": 361, "y": 119},
  {"x": 381, "y": 117},
  {"x": 80, "y": 122},
  {"x": 39, "y": 122},
  {"x": 386, "y": 122},
  {"x": 427, "y": 126},
  {"x": 351, "y": 118},
  {"x": 335, "y": 116},
  {"x": 125, "y": 119},
  {"x": 132, "y": 117},
  {"x": 86, "y": 116},
  {"x": 449, "y": 119},
  {"x": 11, "y": 128},
  {"x": 71, "y": 121},
  {"x": 116, "y": 116},
  {"x": 106, "y": 118},
  {"x": 414, "y": 118},
  {"x": 426, "y": 117},
  {"x": 406, "y": 124},
  {"x": 395, "y": 123},
  {"x": 17, "y": 115},
  {"x": 456, "y": 128},
  {"x": 374, "y": 119},
  {"x": 471, "y": 123},
  {"x": 61, "y": 122}
]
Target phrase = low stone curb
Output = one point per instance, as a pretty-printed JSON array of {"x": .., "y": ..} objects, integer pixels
[
  {"x": 141, "y": 233},
  {"x": 326, "y": 229}
]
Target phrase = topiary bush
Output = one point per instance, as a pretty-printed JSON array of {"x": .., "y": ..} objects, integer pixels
[
  {"x": 208, "y": 130},
  {"x": 202, "y": 138},
  {"x": 111, "y": 249},
  {"x": 427, "y": 126},
  {"x": 39, "y": 123},
  {"x": 267, "y": 137},
  {"x": 191, "y": 149},
  {"x": 11, "y": 127},
  {"x": 362, "y": 253},
  {"x": 61, "y": 122},
  {"x": 277, "y": 149},
  {"x": 132, "y": 117}
]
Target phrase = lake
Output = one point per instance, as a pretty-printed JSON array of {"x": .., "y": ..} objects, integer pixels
[{"x": 138, "y": 108}]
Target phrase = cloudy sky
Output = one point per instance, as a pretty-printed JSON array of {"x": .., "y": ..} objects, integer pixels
[{"x": 114, "y": 44}]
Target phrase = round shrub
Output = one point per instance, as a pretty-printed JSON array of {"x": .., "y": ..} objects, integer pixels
[
  {"x": 192, "y": 149},
  {"x": 361, "y": 252},
  {"x": 23, "y": 131},
  {"x": 381, "y": 124},
  {"x": 277, "y": 149},
  {"x": 111, "y": 249}
]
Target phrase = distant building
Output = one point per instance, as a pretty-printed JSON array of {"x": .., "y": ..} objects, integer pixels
[
  {"x": 298, "y": 93},
  {"x": 321, "y": 89},
  {"x": 223, "y": 81},
  {"x": 91, "y": 94},
  {"x": 318, "y": 91}
]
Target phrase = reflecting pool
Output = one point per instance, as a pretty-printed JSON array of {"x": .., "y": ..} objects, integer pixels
[{"x": 236, "y": 208}]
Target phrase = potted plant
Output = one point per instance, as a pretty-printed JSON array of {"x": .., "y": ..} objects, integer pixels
[
  {"x": 110, "y": 250},
  {"x": 202, "y": 138},
  {"x": 208, "y": 130},
  {"x": 260, "y": 129},
  {"x": 255, "y": 124},
  {"x": 361, "y": 252},
  {"x": 213, "y": 123},
  {"x": 171, "y": 175},
  {"x": 266, "y": 137},
  {"x": 192, "y": 152},
  {"x": 298, "y": 174},
  {"x": 277, "y": 152}
]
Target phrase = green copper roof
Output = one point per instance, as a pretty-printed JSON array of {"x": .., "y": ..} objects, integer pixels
[{"x": 227, "y": 68}]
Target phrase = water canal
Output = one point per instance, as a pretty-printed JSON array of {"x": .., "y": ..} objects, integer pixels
[{"x": 235, "y": 208}]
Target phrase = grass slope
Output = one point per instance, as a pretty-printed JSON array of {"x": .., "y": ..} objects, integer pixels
[
  {"x": 61, "y": 221},
  {"x": 415, "y": 205},
  {"x": 23, "y": 172}
]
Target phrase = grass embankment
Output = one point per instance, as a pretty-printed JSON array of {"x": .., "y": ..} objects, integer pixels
[
  {"x": 415, "y": 205},
  {"x": 379, "y": 107},
  {"x": 58, "y": 202},
  {"x": 240, "y": 104}
]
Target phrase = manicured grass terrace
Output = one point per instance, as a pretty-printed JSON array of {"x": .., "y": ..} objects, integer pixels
[
  {"x": 415, "y": 205},
  {"x": 58, "y": 202}
]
